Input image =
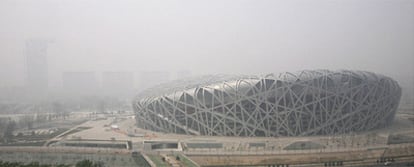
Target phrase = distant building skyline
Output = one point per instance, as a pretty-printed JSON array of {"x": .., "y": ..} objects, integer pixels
[
  {"x": 80, "y": 83},
  {"x": 118, "y": 83}
]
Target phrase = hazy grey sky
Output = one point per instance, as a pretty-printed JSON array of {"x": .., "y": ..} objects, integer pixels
[{"x": 211, "y": 36}]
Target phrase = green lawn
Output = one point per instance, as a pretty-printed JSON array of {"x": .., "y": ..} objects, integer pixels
[
  {"x": 158, "y": 161},
  {"x": 186, "y": 162}
]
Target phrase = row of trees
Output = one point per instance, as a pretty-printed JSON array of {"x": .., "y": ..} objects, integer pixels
[
  {"x": 6, "y": 134},
  {"x": 9, "y": 125},
  {"x": 65, "y": 105}
]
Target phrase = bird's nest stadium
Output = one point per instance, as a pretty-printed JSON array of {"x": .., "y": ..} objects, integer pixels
[{"x": 314, "y": 102}]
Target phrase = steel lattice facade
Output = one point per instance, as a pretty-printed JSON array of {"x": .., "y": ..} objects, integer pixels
[{"x": 317, "y": 102}]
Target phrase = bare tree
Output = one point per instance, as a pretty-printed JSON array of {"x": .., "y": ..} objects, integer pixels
[
  {"x": 27, "y": 121},
  {"x": 8, "y": 133}
]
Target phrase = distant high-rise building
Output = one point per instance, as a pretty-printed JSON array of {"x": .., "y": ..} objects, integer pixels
[
  {"x": 80, "y": 83},
  {"x": 118, "y": 84},
  {"x": 36, "y": 65}
]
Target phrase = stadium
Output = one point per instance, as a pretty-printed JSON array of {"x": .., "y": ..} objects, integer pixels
[{"x": 305, "y": 103}]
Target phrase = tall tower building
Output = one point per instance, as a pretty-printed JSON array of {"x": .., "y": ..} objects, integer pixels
[{"x": 36, "y": 65}]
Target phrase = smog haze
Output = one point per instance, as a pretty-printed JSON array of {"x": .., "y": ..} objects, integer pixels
[{"x": 208, "y": 37}]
